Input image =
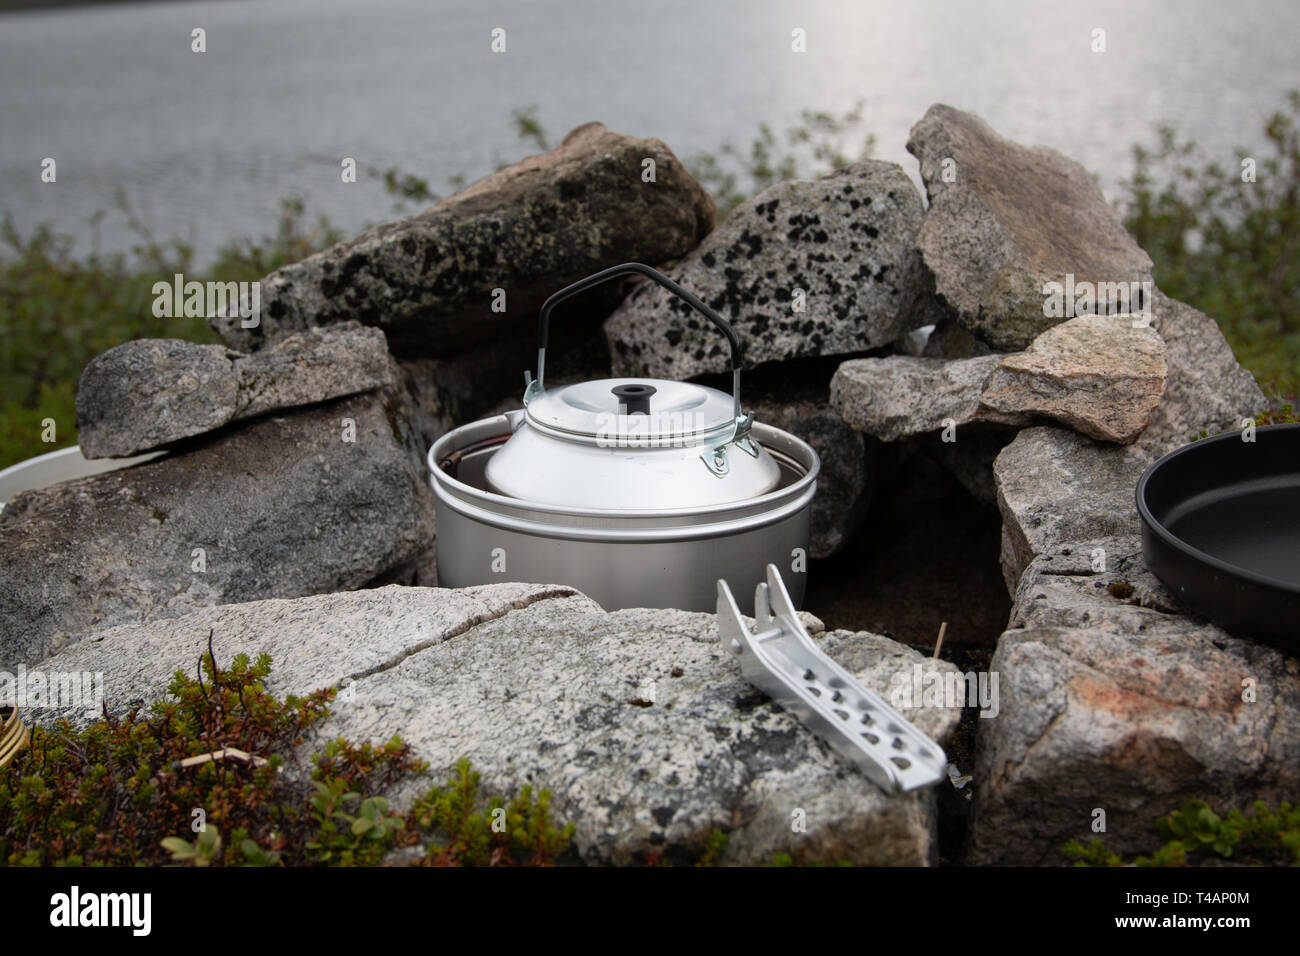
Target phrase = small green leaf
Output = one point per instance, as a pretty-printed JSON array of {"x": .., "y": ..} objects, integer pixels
[{"x": 181, "y": 851}]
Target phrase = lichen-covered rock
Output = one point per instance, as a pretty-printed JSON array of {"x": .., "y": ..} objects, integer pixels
[
  {"x": 1206, "y": 389},
  {"x": 428, "y": 281},
  {"x": 1101, "y": 375},
  {"x": 149, "y": 393},
  {"x": 1112, "y": 698},
  {"x": 646, "y": 733},
  {"x": 321, "y": 499},
  {"x": 1004, "y": 220},
  {"x": 1057, "y": 486},
  {"x": 1133, "y": 720},
  {"x": 826, "y": 267},
  {"x": 899, "y": 396}
]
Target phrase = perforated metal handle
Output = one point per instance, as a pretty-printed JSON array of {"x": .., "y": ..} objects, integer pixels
[{"x": 781, "y": 659}]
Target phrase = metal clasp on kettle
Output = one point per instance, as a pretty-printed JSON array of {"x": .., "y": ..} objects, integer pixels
[{"x": 716, "y": 458}]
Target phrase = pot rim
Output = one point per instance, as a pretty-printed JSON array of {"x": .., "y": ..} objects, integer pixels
[
  {"x": 1156, "y": 526},
  {"x": 441, "y": 447},
  {"x": 60, "y": 465},
  {"x": 725, "y": 525}
]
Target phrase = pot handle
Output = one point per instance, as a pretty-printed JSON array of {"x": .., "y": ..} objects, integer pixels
[{"x": 535, "y": 387}]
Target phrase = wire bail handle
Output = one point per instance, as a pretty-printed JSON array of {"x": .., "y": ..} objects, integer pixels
[{"x": 536, "y": 386}]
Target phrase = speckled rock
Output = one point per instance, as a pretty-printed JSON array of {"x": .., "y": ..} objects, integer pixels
[
  {"x": 846, "y": 241},
  {"x": 1005, "y": 219},
  {"x": 319, "y": 641},
  {"x": 1058, "y": 486},
  {"x": 899, "y": 396},
  {"x": 527, "y": 229},
  {"x": 647, "y": 735},
  {"x": 149, "y": 393},
  {"x": 1101, "y": 375},
  {"x": 1132, "y": 717},
  {"x": 1112, "y": 698},
  {"x": 281, "y": 507},
  {"x": 1206, "y": 389}
]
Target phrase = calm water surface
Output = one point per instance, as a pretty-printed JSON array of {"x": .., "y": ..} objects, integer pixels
[{"x": 204, "y": 145}]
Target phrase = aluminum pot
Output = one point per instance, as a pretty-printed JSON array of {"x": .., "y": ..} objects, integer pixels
[{"x": 639, "y": 492}]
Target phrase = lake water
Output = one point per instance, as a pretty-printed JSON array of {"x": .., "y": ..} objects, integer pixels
[{"x": 204, "y": 145}]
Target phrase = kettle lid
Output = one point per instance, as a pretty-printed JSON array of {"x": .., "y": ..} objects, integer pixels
[{"x": 633, "y": 411}]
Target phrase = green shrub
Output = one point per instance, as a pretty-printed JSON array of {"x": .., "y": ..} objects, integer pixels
[
  {"x": 1229, "y": 247},
  {"x": 468, "y": 829},
  {"x": 1196, "y": 834},
  {"x": 1283, "y": 415},
  {"x": 245, "y": 260}
]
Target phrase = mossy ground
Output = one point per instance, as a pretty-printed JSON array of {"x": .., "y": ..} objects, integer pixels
[{"x": 118, "y": 792}]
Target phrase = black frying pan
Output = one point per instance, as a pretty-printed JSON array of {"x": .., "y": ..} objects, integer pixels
[{"x": 1221, "y": 528}]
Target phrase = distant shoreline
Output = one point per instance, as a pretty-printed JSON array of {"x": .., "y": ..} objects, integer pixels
[{"x": 27, "y": 6}]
